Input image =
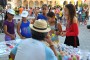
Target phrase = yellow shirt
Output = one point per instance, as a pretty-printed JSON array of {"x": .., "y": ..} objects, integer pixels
[{"x": 60, "y": 14}]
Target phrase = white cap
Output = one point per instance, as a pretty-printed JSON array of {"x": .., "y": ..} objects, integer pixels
[
  {"x": 11, "y": 11},
  {"x": 24, "y": 14}
]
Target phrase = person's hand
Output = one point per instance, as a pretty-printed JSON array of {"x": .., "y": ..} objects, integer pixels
[
  {"x": 63, "y": 34},
  {"x": 52, "y": 31},
  {"x": 12, "y": 37},
  {"x": 32, "y": 21},
  {"x": 22, "y": 37},
  {"x": 57, "y": 33}
]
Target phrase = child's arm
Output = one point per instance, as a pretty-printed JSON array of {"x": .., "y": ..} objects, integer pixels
[
  {"x": 32, "y": 21},
  {"x": 5, "y": 31},
  {"x": 59, "y": 29},
  {"x": 49, "y": 41},
  {"x": 18, "y": 30}
]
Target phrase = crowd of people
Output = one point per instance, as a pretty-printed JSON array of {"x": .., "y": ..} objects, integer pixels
[
  {"x": 83, "y": 14},
  {"x": 43, "y": 31}
]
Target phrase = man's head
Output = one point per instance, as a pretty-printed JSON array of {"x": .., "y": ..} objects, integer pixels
[{"x": 39, "y": 29}]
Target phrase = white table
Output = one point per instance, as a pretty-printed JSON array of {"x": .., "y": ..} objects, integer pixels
[{"x": 5, "y": 50}]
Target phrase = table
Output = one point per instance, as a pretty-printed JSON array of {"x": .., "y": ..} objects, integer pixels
[
  {"x": 70, "y": 51},
  {"x": 6, "y": 49}
]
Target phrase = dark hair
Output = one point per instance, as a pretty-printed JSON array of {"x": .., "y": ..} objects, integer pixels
[
  {"x": 38, "y": 35},
  {"x": 44, "y": 5},
  {"x": 50, "y": 14},
  {"x": 5, "y": 18},
  {"x": 72, "y": 11},
  {"x": 50, "y": 9},
  {"x": 61, "y": 9}
]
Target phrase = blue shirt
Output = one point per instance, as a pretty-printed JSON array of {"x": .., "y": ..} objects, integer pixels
[
  {"x": 25, "y": 29},
  {"x": 41, "y": 16},
  {"x": 49, "y": 54}
]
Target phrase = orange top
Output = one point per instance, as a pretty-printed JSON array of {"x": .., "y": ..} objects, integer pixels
[{"x": 20, "y": 10}]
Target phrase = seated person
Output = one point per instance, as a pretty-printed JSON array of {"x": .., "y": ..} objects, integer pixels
[{"x": 34, "y": 48}]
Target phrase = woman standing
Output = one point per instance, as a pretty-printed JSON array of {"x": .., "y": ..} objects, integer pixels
[{"x": 72, "y": 31}]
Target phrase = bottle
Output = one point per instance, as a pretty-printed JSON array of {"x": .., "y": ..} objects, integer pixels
[
  {"x": 78, "y": 57},
  {"x": 59, "y": 56},
  {"x": 74, "y": 57},
  {"x": 70, "y": 58},
  {"x": 65, "y": 57}
]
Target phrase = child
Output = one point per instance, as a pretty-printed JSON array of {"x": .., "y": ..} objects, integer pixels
[
  {"x": 43, "y": 15},
  {"x": 72, "y": 31},
  {"x": 83, "y": 16},
  {"x": 9, "y": 25},
  {"x": 55, "y": 27},
  {"x": 23, "y": 28}
]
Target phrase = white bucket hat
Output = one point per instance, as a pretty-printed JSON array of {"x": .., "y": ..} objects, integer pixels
[
  {"x": 40, "y": 26},
  {"x": 11, "y": 11},
  {"x": 24, "y": 14}
]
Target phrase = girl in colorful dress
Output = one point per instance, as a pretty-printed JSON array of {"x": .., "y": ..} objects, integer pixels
[{"x": 56, "y": 28}]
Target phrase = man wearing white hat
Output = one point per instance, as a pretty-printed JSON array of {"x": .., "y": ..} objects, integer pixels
[{"x": 34, "y": 48}]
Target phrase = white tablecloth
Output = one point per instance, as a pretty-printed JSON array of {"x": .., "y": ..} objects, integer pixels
[{"x": 5, "y": 50}]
